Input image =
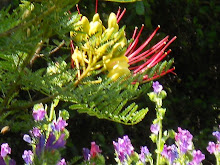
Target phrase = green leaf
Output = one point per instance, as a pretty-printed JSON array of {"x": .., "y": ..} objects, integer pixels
[{"x": 140, "y": 8}]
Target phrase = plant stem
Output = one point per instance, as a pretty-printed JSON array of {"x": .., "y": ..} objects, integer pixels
[{"x": 159, "y": 143}]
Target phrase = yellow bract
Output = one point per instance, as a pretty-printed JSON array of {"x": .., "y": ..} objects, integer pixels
[{"x": 100, "y": 48}]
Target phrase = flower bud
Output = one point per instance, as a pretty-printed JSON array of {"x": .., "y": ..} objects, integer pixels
[{"x": 112, "y": 21}]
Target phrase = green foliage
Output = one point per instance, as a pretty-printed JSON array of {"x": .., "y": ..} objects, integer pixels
[{"x": 35, "y": 67}]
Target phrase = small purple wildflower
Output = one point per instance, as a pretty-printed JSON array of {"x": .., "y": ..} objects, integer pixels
[
  {"x": 39, "y": 113},
  {"x": 217, "y": 135},
  {"x": 154, "y": 128},
  {"x": 27, "y": 138},
  {"x": 198, "y": 157},
  {"x": 157, "y": 87},
  {"x": 36, "y": 132},
  {"x": 28, "y": 156},
  {"x": 60, "y": 124},
  {"x": 184, "y": 140},
  {"x": 123, "y": 147},
  {"x": 62, "y": 162},
  {"x": 86, "y": 154},
  {"x": 94, "y": 150},
  {"x": 170, "y": 152},
  {"x": 5, "y": 149},
  {"x": 211, "y": 147},
  {"x": 144, "y": 153}
]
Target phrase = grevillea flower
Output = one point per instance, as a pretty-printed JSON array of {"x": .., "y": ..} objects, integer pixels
[
  {"x": 154, "y": 128},
  {"x": 184, "y": 140},
  {"x": 198, "y": 157},
  {"x": 38, "y": 112},
  {"x": 144, "y": 153},
  {"x": 5, "y": 150},
  {"x": 170, "y": 153},
  {"x": 157, "y": 87},
  {"x": 28, "y": 156},
  {"x": 123, "y": 148},
  {"x": 100, "y": 48}
]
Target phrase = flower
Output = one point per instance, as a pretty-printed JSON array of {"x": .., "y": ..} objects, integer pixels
[
  {"x": 62, "y": 162},
  {"x": 28, "y": 156},
  {"x": 154, "y": 128},
  {"x": 211, "y": 147},
  {"x": 94, "y": 150},
  {"x": 60, "y": 124},
  {"x": 86, "y": 154},
  {"x": 170, "y": 152},
  {"x": 157, "y": 87},
  {"x": 109, "y": 47},
  {"x": 51, "y": 143},
  {"x": 27, "y": 138},
  {"x": 38, "y": 112},
  {"x": 217, "y": 135},
  {"x": 144, "y": 153},
  {"x": 198, "y": 157},
  {"x": 123, "y": 147},
  {"x": 5, "y": 150},
  {"x": 36, "y": 132},
  {"x": 184, "y": 140}
]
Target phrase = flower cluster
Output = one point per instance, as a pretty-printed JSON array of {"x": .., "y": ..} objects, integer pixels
[
  {"x": 214, "y": 148},
  {"x": 46, "y": 138},
  {"x": 183, "y": 150},
  {"x": 95, "y": 47}
]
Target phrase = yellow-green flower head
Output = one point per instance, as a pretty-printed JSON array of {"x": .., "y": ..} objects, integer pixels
[{"x": 100, "y": 48}]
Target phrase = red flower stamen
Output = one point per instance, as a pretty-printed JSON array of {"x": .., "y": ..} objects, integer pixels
[
  {"x": 96, "y": 6},
  {"x": 77, "y": 7},
  {"x": 118, "y": 12},
  {"x": 119, "y": 18},
  {"x": 144, "y": 44},
  {"x": 133, "y": 45}
]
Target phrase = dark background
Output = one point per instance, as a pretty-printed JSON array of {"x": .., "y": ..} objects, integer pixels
[{"x": 193, "y": 100}]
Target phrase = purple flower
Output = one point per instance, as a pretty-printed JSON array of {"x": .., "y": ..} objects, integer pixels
[
  {"x": 144, "y": 153},
  {"x": 198, "y": 157},
  {"x": 36, "y": 132},
  {"x": 211, "y": 147},
  {"x": 170, "y": 152},
  {"x": 123, "y": 147},
  {"x": 27, "y": 138},
  {"x": 51, "y": 143},
  {"x": 28, "y": 156},
  {"x": 60, "y": 124},
  {"x": 5, "y": 149},
  {"x": 94, "y": 150},
  {"x": 86, "y": 154},
  {"x": 39, "y": 114},
  {"x": 217, "y": 135},
  {"x": 62, "y": 162},
  {"x": 154, "y": 128},
  {"x": 184, "y": 140},
  {"x": 157, "y": 87}
]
